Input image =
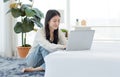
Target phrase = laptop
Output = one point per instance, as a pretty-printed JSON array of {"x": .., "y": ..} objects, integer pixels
[
  {"x": 82, "y": 28},
  {"x": 80, "y": 40}
]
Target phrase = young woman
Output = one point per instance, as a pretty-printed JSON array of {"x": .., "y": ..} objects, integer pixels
[{"x": 48, "y": 39}]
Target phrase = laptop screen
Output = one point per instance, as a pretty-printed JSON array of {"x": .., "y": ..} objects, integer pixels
[{"x": 80, "y": 40}]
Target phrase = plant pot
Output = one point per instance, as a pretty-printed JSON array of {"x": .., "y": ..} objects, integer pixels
[{"x": 23, "y": 51}]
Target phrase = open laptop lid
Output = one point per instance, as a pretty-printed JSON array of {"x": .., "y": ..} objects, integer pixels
[{"x": 80, "y": 40}]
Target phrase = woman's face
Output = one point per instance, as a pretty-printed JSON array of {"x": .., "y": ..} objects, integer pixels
[{"x": 54, "y": 22}]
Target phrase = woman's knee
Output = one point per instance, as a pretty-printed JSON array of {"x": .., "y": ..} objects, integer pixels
[{"x": 43, "y": 51}]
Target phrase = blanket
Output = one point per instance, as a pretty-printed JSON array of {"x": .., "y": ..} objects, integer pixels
[{"x": 11, "y": 67}]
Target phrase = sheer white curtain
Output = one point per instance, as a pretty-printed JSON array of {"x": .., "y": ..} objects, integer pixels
[
  {"x": 7, "y": 45},
  {"x": 1, "y": 27}
]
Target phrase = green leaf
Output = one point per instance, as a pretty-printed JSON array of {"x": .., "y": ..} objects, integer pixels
[
  {"x": 38, "y": 23},
  {"x": 18, "y": 27},
  {"x": 31, "y": 0},
  {"x": 5, "y": 0},
  {"x": 38, "y": 13},
  {"x": 24, "y": 6},
  {"x": 26, "y": 45},
  {"x": 8, "y": 11},
  {"x": 28, "y": 25},
  {"x": 29, "y": 12},
  {"x": 37, "y": 19},
  {"x": 24, "y": 27},
  {"x": 16, "y": 12},
  {"x": 22, "y": 13},
  {"x": 64, "y": 30}
]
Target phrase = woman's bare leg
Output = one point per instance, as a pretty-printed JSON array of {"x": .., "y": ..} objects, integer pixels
[{"x": 31, "y": 69}]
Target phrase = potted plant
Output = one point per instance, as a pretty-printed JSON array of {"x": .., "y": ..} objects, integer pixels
[
  {"x": 65, "y": 31},
  {"x": 29, "y": 16}
]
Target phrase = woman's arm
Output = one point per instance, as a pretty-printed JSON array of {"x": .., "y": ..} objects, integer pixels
[{"x": 40, "y": 38}]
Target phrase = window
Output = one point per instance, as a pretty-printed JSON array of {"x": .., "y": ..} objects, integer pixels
[
  {"x": 95, "y": 12},
  {"x": 101, "y": 15}
]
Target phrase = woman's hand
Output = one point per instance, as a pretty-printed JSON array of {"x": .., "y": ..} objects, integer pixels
[{"x": 64, "y": 47}]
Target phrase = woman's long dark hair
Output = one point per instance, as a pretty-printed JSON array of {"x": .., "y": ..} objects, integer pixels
[{"x": 49, "y": 15}]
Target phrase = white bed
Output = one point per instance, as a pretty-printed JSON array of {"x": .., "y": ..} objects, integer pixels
[{"x": 103, "y": 60}]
